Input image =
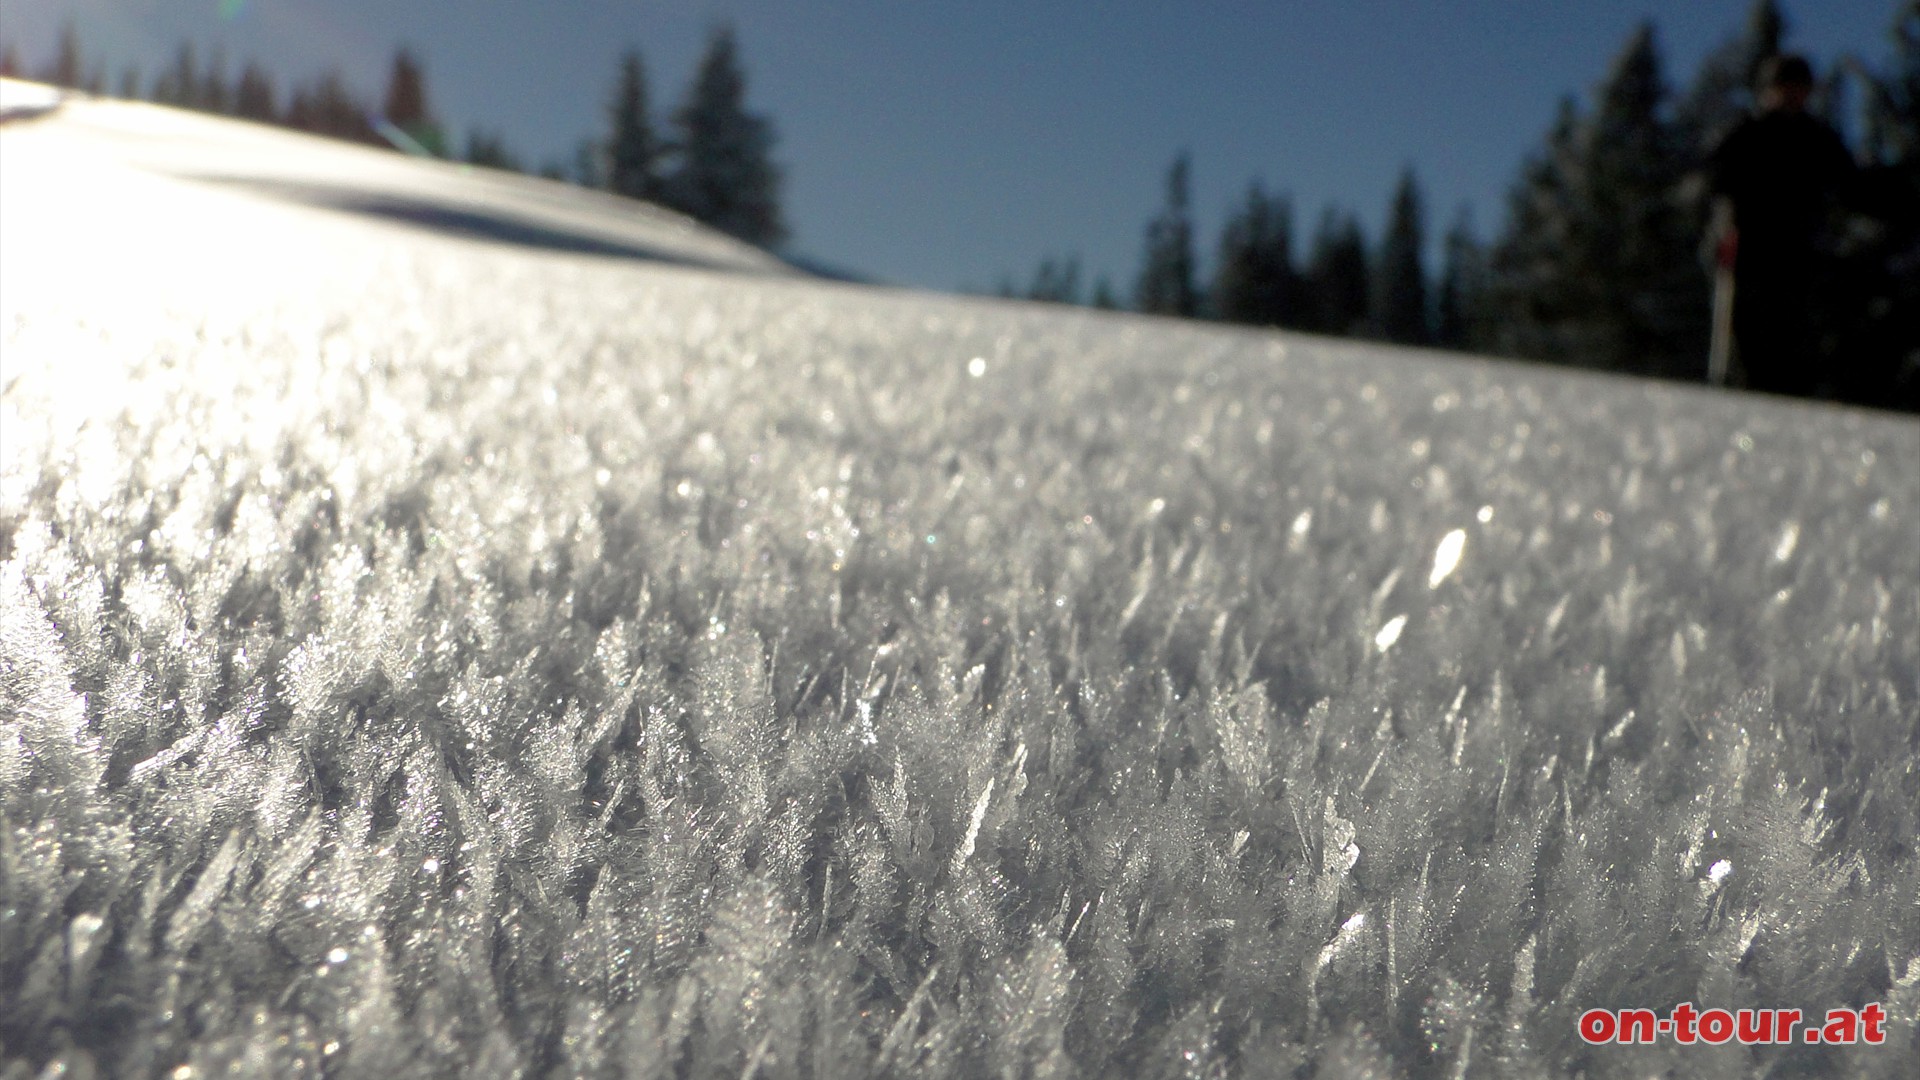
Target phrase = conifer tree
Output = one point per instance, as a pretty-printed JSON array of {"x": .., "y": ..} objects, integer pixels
[
  {"x": 1167, "y": 284},
  {"x": 1056, "y": 281},
  {"x": 129, "y": 82},
  {"x": 726, "y": 175},
  {"x": 1887, "y": 340},
  {"x": 1893, "y": 98},
  {"x": 9, "y": 61},
  {"x": 1337, "y": 275},
  {"x": 253, "y": 95},
  {"x": 65, "y": 70},
  {"x": 1535, "y": 287},
  {"x": 1653, "y": 311},
  {"x": 1722, "y": 90},
  {"x": 179, "y": 84},
  {"x": 489, "y": 150},
  {"x": 1254, "y": 280},
  {"x": 1103, "y": 295},
  {"x": 327, "y": 107},
  {"x": 1462, "y": 292},
  {"x": 1399, "y": 296},
  {"x": 1598, "y": 265},
  {"x": 633, "y": 154},
  {"x": 406, "y": 103},
  {"x": 210, "y": 94},
  {"x": 589, "y": 164}
]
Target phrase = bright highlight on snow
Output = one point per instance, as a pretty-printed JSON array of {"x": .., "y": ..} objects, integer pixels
[
  {"x": 1789, "y": 539},
  {"x": 1447, "y": 556},
  {"x": 1390, "y": 633}
]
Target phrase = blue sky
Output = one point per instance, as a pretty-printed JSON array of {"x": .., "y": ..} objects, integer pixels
[{"x": 946, "y": 144}]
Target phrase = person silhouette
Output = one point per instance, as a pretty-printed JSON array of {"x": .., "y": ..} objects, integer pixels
[{"x": 1775, "y": 178}]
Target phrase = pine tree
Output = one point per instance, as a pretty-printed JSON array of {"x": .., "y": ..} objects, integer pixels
[
  {"x": 1399, "y": 296},
  {"x": 1254, "y": 280},
  {"x": 253, "y": 96},
  {"x": 1462, "y": 292},
  {"x": 129, "y": 82},
  {"x": 1056, "y": 281},
  {"x": 179, "y": 84},
  {"x": 489, "y": 150},
  {"x": 1893, "y": 102},
  {"x": 589, "y": 164},
  {"x": 633, "y": 153},
  {"x": 328, "y": 108},
  {"x": 1103, "y": 295},
  {"x": 210, "y": 94},
  {"x": 65, "y": 70},
  {"x": 1642, "y": 246},
  {"x": 1722, "y": 90},
  {"x": 1598, "y": 264},
  {"x": 1886, "y": 342},
  {"x": 9, "y": 61},
  {"x": 1337, "y": 275},
  {"x": 1535, "y": 285},
  {"x": 726, "y": 175},
  {"x": 1166, "y": 284},
  {"x": 406, "y": 103}
]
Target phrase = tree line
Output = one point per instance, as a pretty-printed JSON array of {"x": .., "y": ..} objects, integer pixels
[
  {"x": 1599, "y": 262},
  {"x": 712, "y": 160}
]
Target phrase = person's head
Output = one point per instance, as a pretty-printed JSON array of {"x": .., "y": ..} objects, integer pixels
[{"x": 1786, "y": 82}]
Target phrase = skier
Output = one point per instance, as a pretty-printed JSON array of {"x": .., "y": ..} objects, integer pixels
[{"x": 1775, "y": 177}]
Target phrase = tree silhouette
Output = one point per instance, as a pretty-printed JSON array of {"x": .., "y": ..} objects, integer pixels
[
  {"x": 1254, "y": 279},
  {"x": 406, "y": 103},
  {"x": 253, "y": 95},
  {"x": 726, "y": 175},
  {"x": 1056, "y": 281},
  {"x": 1722, "y": 90},
  {"x": 489, "y": 150},
  {"x": 1337, "y": 275},
  {"x": 1103, "y": 295},
  {"x": 1400, "y": 288},
  {"x": 179, "y": 84},
  {"x": 1462, "y": 292},
  {"x": 632, "y": 152},
  {"x": 1166, "y": 285},
  {"x": 65, "y": 69},
  {"x": 1598, "y": 264},
  {"x": 1653, "y": 300},
  {"x": 328, "y": 107}
]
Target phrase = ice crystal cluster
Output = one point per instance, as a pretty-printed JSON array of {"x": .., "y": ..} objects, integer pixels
[{"x": 422, "y": 657}]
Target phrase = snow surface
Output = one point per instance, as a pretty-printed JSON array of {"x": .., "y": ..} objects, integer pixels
[{"x": 458, "y": 622}]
